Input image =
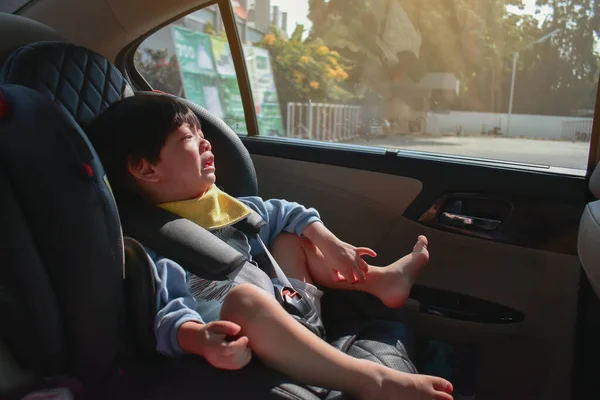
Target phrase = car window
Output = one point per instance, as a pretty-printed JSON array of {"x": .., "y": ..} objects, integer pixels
[
  {"x": 191, "y": 58},
  {"x": 10, "y": 6},
  {"x": 505, "y": 80}
]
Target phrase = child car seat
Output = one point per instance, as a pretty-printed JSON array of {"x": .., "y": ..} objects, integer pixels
[
  {"x": 71, "y": 86},
  {"x": 62, "y": 245},
  {"x": 63, "y": 297}
]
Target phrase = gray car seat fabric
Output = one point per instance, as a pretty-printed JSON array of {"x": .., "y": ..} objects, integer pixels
[
  {"x": 16, "y": 31},
  {"x": 588, "y": 242}
]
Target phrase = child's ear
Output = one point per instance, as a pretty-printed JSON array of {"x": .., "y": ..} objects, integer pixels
[{"x": 142, "y": 170}]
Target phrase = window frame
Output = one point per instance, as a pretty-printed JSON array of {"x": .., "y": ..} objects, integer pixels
[
  {"x": 594, "y": 154},
  {"x": 239, "y": 63},
  {"x": 125, "y": 59},
  {"x": 125, "y": 62}
]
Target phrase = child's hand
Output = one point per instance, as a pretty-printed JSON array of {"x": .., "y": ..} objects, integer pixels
[
  {"x": 210, "y": 341},
  {"x": 221, "y": 353},
  {"x": 345, "y": 261}
]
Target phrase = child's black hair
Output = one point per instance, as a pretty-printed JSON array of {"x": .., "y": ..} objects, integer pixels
[{"x": 133, "y": 129}]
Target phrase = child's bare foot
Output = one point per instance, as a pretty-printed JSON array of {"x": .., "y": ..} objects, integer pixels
[
  {"x": 399, "y": 385},
  {"x": 394, "y": 290}
]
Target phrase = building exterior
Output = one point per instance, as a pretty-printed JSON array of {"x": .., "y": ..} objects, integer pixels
[{"x": 254, "y": 19}]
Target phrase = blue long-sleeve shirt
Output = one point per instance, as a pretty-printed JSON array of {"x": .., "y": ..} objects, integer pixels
[{"x": 175, "y": 302}]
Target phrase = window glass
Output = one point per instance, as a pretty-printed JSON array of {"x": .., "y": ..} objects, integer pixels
[
  {"x": 191, "y": 58},
  {"x": 506, "y": 80},
  {"x": 10, "y": 6}
]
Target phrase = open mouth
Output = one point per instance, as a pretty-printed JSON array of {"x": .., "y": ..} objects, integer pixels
[{"x": 209, "y": 163}]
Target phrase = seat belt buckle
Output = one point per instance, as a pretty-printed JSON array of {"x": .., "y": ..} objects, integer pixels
[
  {"x": 292, "y": 301},
  {"x": 291, "y": 293}
]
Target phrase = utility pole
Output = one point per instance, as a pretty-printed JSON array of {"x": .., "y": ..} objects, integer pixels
[{"x": 514, "y": 73}]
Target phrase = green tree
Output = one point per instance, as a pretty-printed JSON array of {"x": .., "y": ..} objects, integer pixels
[
  {"x": 474, "y": 40},
  {"x": 560, "y": 76},
  {"x": 306, "y": 69},
  {"x": 357, "y": 29},
  {"x": 394, "y": 41}
]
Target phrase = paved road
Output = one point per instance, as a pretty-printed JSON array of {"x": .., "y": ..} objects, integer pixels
[{"x": 544, "y": 152}]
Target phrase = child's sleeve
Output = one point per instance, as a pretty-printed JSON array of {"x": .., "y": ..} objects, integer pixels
[
  {"x": 175, "y": 305},
  {"x": 281, "y": 216}
]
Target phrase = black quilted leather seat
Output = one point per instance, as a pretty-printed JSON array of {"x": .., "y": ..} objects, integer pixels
[
  {"x": 84, "y": 83},
  {"x": 61, "y": 247}
]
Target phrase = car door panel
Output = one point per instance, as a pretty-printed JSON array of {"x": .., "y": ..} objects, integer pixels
[
  {"x": 310, "y": 183},
  {"x": 371, "y": 198},
  {"x": 546, "y": 205}
]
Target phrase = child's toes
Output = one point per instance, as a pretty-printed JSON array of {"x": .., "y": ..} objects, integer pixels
[
  {"x": 442, "y": 384},
  {"x": 421, "y": 244},
  {"x": 442, "y": 396}
]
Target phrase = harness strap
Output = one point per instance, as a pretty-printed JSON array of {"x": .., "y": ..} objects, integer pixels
[
  {"x": 188, "y": 244},
  {"x": 203, "y": 254}
]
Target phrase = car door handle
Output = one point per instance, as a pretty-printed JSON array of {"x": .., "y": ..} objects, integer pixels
[{"x": 466, "y": 221}]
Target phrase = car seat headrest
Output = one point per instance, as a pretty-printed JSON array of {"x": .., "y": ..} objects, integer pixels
[
  {"x": 16, "y": 31},
  {"x": 595, "y": 182},
  {"x": 82, "y": 81}
]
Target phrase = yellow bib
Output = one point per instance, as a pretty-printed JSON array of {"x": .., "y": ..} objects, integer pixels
[{"x": 214, "y": 210}]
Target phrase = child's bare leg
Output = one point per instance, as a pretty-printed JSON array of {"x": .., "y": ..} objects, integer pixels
[
  {"x": 285, "y": 345},
  {"x": 301, "y": 259}
]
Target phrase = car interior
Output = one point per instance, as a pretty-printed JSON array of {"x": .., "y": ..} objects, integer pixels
[{"x": 517, "y": 303}]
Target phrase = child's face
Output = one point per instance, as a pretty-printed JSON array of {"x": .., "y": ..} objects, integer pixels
[{"x": 186, "y": 168}]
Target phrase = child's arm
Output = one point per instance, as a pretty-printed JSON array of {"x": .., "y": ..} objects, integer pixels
[
  {"x": 175, "y": 305},
  {"x": 285, "y": 216},
  {"x": 281, "y": 216},
  {"x": 179, "y": 328}
]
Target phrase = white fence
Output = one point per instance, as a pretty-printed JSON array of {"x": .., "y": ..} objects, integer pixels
[
  {"x": 319, "y": 121},
  {"x": 580, "y": 131},
  {"x": 521, "y": 125}
]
